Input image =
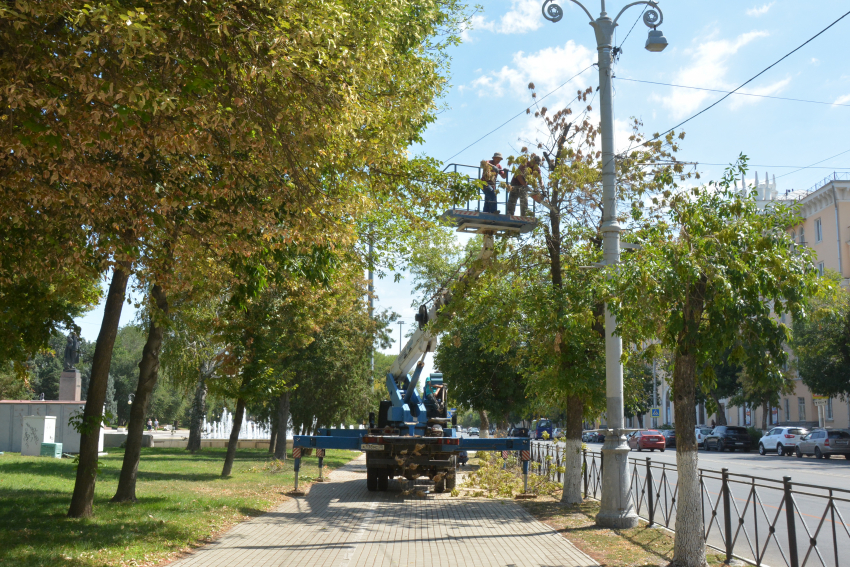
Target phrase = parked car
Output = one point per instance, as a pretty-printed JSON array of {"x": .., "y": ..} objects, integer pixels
[
  {"x": 558, "y": 433},
  {"x": 823, "y": 443},
  {"x": 701, "y": 432},
  {"x": 669, "y": 436},
  {"x": 541, "y": 426},
  {"x": 518, "y": 432},
  {"x": 473, "y": 431},
  {"x": 783, "y": 440},
  {"x": 651, "y": 439},
  {"x": 593, "y": 437},
  {"x": 727, "y": 438}
]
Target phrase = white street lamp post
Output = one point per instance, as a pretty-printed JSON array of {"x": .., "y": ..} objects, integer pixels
[{"x": 616, "y": 509}]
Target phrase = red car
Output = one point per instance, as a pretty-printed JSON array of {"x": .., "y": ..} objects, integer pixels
[{"x": 649, "y": 439}]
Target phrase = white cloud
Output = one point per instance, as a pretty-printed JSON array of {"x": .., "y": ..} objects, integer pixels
[
  {"x": 547, "y": 69},
  {"x": 760, "y": 10},
  {"x": 767, "y": 90},
  {"x": 815, "y": 61},
  {"x": 844, "y": 99},
  {"x": 523, "y": 16},
  {"x": 708, "y": 67}
]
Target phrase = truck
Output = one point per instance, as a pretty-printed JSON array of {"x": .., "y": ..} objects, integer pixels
[{"x": 411, "y": 437}]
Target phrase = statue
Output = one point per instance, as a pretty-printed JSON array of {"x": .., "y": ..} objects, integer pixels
[{"x": 72, "y": 352}]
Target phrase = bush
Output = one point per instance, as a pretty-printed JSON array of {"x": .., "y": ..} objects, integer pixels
[{"x": 755, "y": 436}]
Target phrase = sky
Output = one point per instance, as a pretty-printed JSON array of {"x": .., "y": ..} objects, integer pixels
[{"x": 712, "y": 45}]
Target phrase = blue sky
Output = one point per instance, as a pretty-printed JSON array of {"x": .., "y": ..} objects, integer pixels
[{"x": 716, "y": 45}]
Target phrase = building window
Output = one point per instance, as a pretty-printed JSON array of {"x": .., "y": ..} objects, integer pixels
[
  {"x": 820, "y": 268},
  {"x": 818, "y": 231},
  {"x": 801, "y": 407},
  {"x": 802, "y": 237},
  {"x": 829, "y": 409},
  {"x": 787, "y": 409}
]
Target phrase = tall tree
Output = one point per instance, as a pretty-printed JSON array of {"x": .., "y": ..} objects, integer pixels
[
  {"x": 718, "y": 275},
  {"x": 822, "y": 341}
]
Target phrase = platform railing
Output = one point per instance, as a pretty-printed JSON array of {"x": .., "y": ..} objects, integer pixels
[{"x": 759, "y": 520}]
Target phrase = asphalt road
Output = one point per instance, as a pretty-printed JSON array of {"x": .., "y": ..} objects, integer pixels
[{"x": 757, "y": 492}]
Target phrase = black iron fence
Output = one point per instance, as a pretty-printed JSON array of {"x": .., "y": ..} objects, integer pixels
[{"x": 759, "y": 520}]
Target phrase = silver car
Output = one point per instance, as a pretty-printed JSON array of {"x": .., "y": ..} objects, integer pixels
[{"x": 824, "y": 443}]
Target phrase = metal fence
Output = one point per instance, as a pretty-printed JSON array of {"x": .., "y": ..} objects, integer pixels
[{"x": 759, "y": 520}]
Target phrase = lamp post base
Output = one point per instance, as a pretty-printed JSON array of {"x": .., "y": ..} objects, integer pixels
[{"x": 616, "y": 509}]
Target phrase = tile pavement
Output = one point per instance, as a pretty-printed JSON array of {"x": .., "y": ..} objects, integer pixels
[{"x": 341, "y": 524}]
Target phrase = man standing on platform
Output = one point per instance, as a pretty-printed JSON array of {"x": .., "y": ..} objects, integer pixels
[
  {"x": 490, "y": 173},
  {"x": 527, "y": 173}
]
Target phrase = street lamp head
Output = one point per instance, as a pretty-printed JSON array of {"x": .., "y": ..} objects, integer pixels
[{"x": 656, "y": 41}]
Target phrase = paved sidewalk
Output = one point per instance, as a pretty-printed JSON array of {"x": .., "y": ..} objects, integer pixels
[{"x": 341, "y": 524}]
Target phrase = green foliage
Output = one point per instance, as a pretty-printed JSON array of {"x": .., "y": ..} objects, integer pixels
[
  {"x": 712, "y": 277},
  {"x": 755, "y": 436},
  {"x": 822, "y": 341}
]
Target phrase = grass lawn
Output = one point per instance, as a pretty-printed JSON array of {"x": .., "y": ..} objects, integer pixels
[
  {"x": 638, "y": 547},
  {"x": 183, "y": 503}
]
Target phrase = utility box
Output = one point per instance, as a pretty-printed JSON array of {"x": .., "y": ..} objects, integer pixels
[
  {"x": 51, "y": 450},
  {"x": 37, "y": 429}
]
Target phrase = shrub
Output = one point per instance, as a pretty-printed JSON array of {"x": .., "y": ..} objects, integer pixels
[{"x": 755, "y": 436}]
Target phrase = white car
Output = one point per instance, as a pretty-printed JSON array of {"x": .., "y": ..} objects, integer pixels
[
  {"x": 782, "y": 440},
  {"x": 701, "y": 432}
]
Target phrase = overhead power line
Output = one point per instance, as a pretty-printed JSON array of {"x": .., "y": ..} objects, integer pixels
[
  {"x": 817, "y": 162},
  {"x": 730, "y": 92},
  {"x": 524, "y": 111},
  {"x": 742, "y": 85}
]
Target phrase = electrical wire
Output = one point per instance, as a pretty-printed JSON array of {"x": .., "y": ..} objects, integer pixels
[
  {"x": 619, "y": 48},
  {"x": 731, "y": 92},
  {"x": 817, "y": 162},
  {"x": 742, "y": 85},
  {"x": 524, "y": 111},
  {"x": 798, "y": 167}
]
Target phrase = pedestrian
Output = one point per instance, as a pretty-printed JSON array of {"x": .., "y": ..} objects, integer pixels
[
  {"x": 490, "y": 173},
  {"x": 156, "y": 424},
  {"x": 527, "y": 174},
  {"x": 150, "y": 424}
]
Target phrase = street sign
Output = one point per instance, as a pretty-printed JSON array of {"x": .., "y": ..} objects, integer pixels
[
  {"x": 656, "y": 412},
  {"x": 820, "y": 400}
]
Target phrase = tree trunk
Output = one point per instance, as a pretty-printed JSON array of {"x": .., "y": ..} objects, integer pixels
[
  {"x": 273, "y": 438},
  {"x": 484, "y": 430},
  {"x": 199, "y": 409},
  {"x": 764, "y": 409},
  {"x": 688, "y": 543},
  {"x": 234, "y": 437},
  {"x": 721, "y": 411},
  {"x": 81, "y": 500},
  {"x": 572, "y": 452},
  {"x": 148, "y": 375},
  {"x": 282, "y": 425}
]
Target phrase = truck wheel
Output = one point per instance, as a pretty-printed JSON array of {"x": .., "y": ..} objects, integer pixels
[
  {"x": 440, "y": 486},
  {"x": 371, "y": 479},
  {"x": 383, "y": 481},
  {"x": 451, "y": 478}
]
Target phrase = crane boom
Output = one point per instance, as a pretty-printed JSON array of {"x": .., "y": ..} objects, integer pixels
[{"x": 423, "y": 340}]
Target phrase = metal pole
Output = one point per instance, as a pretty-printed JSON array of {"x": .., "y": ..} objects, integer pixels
[
  {"x": 616, "y": 511},
  {"x": 790, "y": 517},
  {"x": 727, "y": 514}
]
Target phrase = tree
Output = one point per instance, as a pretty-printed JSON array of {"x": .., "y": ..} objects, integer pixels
[
  {"x": 821, "y": 342},
  {"x": 702, "y": 283},
  {"x": 147, "y": 125}
]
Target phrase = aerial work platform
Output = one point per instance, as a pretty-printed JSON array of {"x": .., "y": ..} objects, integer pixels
[{"x": 477, "y": 222}]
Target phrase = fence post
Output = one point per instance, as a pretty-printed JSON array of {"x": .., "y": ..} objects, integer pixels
[
  {"x": 584, "y": 469},
  {"x": 727, "y": 515},
  {"x": 650, "y": 499},
  {"x": 792, "y": 525}
]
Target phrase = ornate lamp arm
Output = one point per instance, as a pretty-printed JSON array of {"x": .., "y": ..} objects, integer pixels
[
  {"x": 652, "y": 17},
  {"x": 554, "y": 13}
]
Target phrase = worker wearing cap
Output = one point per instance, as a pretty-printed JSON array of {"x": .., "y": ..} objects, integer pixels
[
  {"x": 527, "y": 174},
  {"x": 490, "y": 173}
]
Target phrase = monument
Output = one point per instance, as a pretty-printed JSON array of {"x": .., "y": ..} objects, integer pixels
[{"x": 69, "y": 381}]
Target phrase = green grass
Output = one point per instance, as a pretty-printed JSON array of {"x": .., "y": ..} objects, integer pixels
[{"x": 182, "y": 502}]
